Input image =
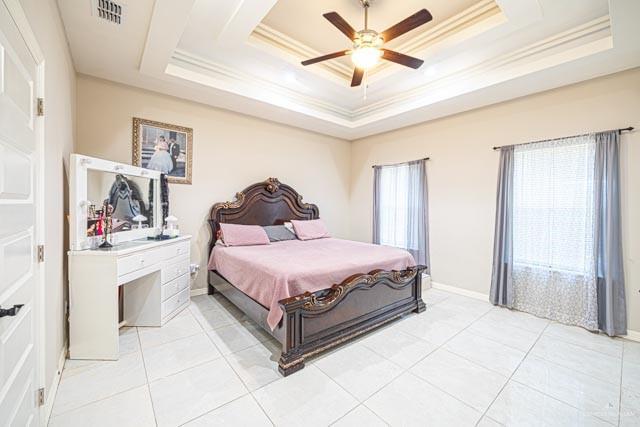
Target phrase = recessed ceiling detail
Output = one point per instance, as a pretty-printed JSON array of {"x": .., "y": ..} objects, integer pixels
[
  {"x": 484, "y": 14},
  {"x": 582, "y": 40},
  {"x": 188, "y": 66},
  {"x": 244, "y": 55}
]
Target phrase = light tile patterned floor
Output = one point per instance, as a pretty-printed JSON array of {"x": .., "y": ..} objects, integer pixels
[{"x": 460, "y": 363}]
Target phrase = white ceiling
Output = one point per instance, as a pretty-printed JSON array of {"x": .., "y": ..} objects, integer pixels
[{"x": 245, "y": 55}]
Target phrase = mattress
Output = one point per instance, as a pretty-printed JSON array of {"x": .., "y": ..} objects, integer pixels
[{"x": 270, "y": 273}]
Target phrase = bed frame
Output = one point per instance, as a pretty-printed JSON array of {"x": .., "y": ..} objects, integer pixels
[{"x": 313, "y": 322}]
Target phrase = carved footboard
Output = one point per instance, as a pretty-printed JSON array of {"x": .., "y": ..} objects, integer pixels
[{"x": 314, "y": 322}]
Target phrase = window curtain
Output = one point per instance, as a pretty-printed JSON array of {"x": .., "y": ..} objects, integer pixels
[
  {"x": 501, "y": 278},
  {"x": 400, "y": 208},
  {"x": 557, "y": 247},
  {"x": 612, "y": 314}
]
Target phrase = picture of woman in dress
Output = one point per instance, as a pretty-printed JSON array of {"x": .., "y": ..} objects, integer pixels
[
  {"x": 163, "y": 147},
  {"x": 161, "y": 159}
]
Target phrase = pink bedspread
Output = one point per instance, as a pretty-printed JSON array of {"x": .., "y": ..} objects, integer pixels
[{"x": 270, "y": 273}]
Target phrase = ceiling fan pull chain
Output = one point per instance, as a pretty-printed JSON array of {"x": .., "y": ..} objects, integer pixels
[{"x": 365, "y": 86}]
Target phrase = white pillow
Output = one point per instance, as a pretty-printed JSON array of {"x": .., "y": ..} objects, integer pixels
[{"x": 289, "y": 226}]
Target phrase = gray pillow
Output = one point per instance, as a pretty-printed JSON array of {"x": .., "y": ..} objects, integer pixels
[{"x": 279, "y": 233}]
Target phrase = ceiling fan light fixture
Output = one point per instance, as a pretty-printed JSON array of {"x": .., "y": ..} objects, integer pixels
[
  {"x": 366, "y": 57},
  {"x": 366, "y": 49}
]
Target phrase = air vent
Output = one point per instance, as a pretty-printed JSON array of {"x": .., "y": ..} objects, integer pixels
[{"x": 109, "y": 11}]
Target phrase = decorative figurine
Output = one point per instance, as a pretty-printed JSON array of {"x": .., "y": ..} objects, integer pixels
[
  {"x": 139, "y": 219},
  {"x": 172, "y": 229},
  {"x": 107, "y": 210}
]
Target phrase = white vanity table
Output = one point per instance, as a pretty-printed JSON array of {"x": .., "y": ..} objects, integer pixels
[{"x": 154, "y": 274}]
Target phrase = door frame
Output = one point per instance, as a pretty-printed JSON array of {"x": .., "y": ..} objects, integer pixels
[{"x": 24, "y": 28}]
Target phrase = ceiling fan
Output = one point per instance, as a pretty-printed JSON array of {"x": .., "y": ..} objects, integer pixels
[{"x": 367, "y": 44}]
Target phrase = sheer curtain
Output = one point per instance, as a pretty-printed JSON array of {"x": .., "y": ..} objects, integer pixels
[
  {"x": 400, "y": 208},
  {"x": 554, "y": 272}
]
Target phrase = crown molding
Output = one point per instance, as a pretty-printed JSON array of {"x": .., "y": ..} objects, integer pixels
[
  {"x": 259, "y": 88},
  {"x": 583, "y": 40},
  {"x": 264, "y": 35},
  {"x": 595, "y": 36},
  {"x": 482, "y": 16},
  {"x": 473, "y": 15}
]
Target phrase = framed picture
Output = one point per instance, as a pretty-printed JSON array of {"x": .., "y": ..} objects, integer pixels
[{"x": 163, "y": 147}]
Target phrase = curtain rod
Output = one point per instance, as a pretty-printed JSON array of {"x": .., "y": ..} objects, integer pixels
[
  {"x": 399, "y": 163},
  {"x": 627, "y": 129}
]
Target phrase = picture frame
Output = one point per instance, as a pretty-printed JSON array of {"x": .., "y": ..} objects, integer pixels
[{"x": 163, "y": 147}]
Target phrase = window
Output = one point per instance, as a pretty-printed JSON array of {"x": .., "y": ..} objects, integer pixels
[
  {"x": 553, "y": 218},
  {"x": 400, "y": 212},
  {"x": 558, "y": 236},
  {"x": 394, "y": 208}
]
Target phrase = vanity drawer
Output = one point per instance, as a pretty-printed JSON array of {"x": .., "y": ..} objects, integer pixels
[
  {"x": 134, "y": 262},
  {"x": 174, "y": 270},
  {"x": 176, "y": 250},
  {"x": 175, "y": 286},
  {"x": 175, "y": 301}
]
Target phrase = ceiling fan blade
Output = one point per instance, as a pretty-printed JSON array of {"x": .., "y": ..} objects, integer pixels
[
  {"x": 401, "y": 58},
  {"x": 358, "y": 73},
  {"x": 341, "y": 24},
  {"x": 414, "y": 21},
  {"x": 325, "y": 57}
]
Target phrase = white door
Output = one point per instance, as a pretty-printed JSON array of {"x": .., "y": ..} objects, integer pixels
[{"x": 18, "y": 263}]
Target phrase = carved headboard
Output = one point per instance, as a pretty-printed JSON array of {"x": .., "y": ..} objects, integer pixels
[{"x": 264, "y": 203}]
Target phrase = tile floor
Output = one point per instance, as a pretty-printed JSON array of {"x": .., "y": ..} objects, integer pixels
[{"x": 462, "y": 362}]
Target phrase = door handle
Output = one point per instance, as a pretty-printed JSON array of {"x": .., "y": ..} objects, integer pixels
[{"x": 10, "y": 311}]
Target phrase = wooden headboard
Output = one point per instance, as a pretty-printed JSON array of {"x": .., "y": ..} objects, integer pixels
[{"x": 265, "y": 203}]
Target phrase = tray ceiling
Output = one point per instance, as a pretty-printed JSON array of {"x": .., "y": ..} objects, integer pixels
[
  {"x": 245, "y": 55},
  {"x": 318, "y": 34}
]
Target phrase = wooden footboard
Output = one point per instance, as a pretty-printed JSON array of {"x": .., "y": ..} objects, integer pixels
[{"x": 314, "y": 322}]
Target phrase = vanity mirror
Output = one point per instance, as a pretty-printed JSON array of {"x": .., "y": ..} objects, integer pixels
[{"x": 130, "y": 191}]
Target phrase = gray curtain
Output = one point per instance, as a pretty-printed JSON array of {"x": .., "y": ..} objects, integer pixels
[
  {"x": 402, "y": 184},
  {"x": 501, "y": 278},
  {"x": 377, "y": 175},
  {"x": 612, "y": 315}
]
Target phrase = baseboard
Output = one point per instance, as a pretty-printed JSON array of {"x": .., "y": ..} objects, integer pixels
[
  {"x": 426, "y": 282},
  {"x": 632, "y": 336},
  {"x": 51, "y": 395},
  {"x": 460, "y": 291},
  {"x": 199, "y": 291}
]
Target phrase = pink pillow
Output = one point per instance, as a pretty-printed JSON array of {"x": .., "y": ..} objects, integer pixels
[
  {"x": 312, "y": 229},
  {"x": 243, "y": 235}
]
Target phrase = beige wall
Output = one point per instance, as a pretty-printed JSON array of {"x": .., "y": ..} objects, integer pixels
[
  {"x": 231, "y": 151},
  {"x": 59, "y": 95},
  {"x": 463, "y": 169}
]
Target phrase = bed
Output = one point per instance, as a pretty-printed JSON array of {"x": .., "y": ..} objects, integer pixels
[{"x": 309, "y": 295}]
